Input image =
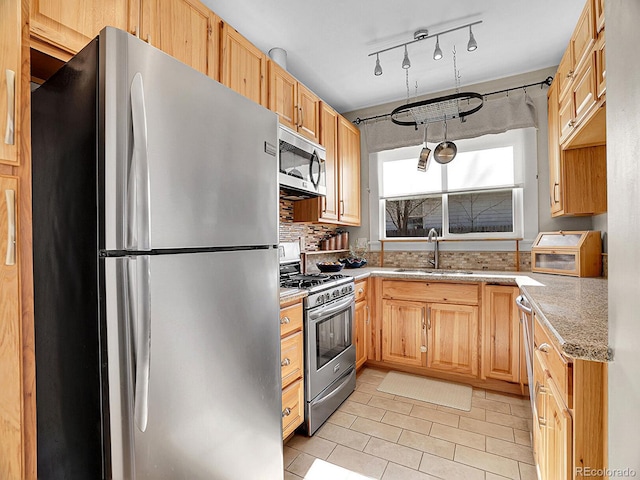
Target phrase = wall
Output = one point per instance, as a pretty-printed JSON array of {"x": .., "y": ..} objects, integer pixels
[
  {"x": 623, "y": 179},
  {"x": 545, "y": 221}
]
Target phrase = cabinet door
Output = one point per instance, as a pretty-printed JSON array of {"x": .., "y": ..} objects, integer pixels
[
  {"x": 362, "y": 312},
  {"x": 565, "y": 73},
  {"x": 584, "y": 90},
  {"x": 243, "y": 66},
  {"x": 61, "y": 28},
  {"x": 329, "y": 204},
  {"x": 558, "y": 435},
  {"x": 539, "y": 413},
  {"x": 10, "y": 42},
  {"x": 599, "y": 14},
  {"x": 453, "y": 338},
  {"x": 291, "y": 358},
  {"x": 601, "y": 66},
  {"x": 282, "y": 95},
  {"x": 10, "y": 335},
  {"x": 349, "y": 161},
  {"x": 403, "y": 331},
  {"x": 501, "y": 328},
  {"x": 555, "y": 179},
  {"x": 308, "y": 113},
  {"x": 185, "y": 29},
  {"x": 583, "y": 36}
]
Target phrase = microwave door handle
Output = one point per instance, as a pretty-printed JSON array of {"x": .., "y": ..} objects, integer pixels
[
  {"x": 330, "y": 311},
  {"x": 315, "y": 158}
]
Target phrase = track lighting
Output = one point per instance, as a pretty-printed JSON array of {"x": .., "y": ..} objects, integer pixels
[
  {"x": 437, "y": 53},
  {"x": 420, "y": 35},
  {"x": 406, "y": 63},
  {"x": 472, "y": 45},
  {"x": 378, "y": 70}
]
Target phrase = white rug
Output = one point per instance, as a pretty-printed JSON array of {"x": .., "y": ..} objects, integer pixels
[{"x": 428, "y": 390}]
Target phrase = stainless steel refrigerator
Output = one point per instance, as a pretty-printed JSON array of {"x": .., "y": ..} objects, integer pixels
[{"x": 155, "y": 211}]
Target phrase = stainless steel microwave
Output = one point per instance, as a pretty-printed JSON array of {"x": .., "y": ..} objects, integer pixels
[{"x": 302, "y": 165}]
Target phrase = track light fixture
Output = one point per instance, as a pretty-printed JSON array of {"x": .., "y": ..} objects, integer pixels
[
  {"x": 378, "y": 70},
  {"x": 421, "y": 35},
  {"x": 437, "y": 53},
  {"x": 472, "y": 45},
  {"x": 406, "y": 63}
]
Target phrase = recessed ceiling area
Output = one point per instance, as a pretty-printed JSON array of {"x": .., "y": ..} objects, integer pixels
[{"x": 328, "y": 42}]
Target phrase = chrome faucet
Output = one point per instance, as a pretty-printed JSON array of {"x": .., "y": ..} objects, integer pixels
[{"x": 432, "y": 236}]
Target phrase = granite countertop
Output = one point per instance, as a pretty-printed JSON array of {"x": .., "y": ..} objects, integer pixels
[
  {"x": 288, "y": 295},
  {"x": 573, "y": 310}
]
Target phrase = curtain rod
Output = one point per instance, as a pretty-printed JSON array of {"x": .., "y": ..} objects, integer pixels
[{"x": 547, "y": 81}]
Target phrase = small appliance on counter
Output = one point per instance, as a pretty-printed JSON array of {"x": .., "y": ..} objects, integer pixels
[{"x": 577, "y": 254}]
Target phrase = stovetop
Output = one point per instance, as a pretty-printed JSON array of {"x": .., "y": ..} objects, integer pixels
[{"x": 309, "y": 281}]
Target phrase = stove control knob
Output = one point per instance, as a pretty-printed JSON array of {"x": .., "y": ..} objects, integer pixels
[
  {"x": 319, "y": 300},
  {"x": 344, "y": 290},
  {"x": 350, "y": 288},
  {"x": 335, "y": 293}
]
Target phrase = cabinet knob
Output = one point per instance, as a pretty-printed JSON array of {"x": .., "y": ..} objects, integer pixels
[
  {"x": 286, "y": 412},
  {"x": 285, "y": 321},
  {"x": 570, "y": 74},
  {"x": 572, "y": 123},
  {"x": 286, "y": 362},
  {"x": 360, "y": 290}
]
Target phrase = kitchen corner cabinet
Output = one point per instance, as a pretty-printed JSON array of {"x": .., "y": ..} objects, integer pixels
[
  {"x": 297, "y": 107},
  {"x": 500, "y": 333},
  {"x": 341, "y": 205},
  {"x": 430, "y": 324},
  {"x": 243, "y": 67},
  {"x": 292, "y": 366},
  {"x": 362, "y": 322},
  {"x": 11, "y": 414},
  {"x": 569, "y": 416}
]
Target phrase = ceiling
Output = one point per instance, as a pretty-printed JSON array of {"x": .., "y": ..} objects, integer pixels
[{"x": 328, "y": 42}]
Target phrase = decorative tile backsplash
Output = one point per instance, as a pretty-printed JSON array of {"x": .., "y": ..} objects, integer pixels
[
  {"x": 291, "y": 232},
  {"x": 491, "y": 261}
]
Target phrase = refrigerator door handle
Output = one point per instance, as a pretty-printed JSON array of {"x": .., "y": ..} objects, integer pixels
[
  {"x": 141, "y": 322},
  {"x": 138, "y": 195}
]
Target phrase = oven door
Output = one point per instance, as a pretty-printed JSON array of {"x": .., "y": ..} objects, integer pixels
[{"x": 329, "y": 348}]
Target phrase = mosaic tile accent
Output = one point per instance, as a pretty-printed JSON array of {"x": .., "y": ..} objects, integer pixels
[
  {"x": 312, "y": 233},
  {"x": 492, "y": 261}
]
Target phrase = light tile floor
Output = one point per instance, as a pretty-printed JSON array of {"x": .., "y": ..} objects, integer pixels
[{"x": 382, "y": 436}]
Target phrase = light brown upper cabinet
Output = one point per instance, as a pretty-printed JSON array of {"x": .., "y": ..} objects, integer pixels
[
  {"x": 10, "y": 41},
  {"x": 349, "y": 161},
  {"x": 555, "y": 179},
  {"x": 341, "y": 205},
  {"x": 598, "y": 11},
  {"x": 185, "y": 29},
  {"x": 243, "y": 67},
  {"x": 297, "y": 107},
  {"x": 61, "y": 28}
]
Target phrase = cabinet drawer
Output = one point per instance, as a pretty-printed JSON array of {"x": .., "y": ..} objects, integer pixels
[
  {"x": 291, "y": 358},
  {"x": 361, "y": 290},
  {"x": 554, "y": 362},
  {"x": 292, "y": 407},
  {"x": 290, "y": 319},
  {"x": 431, "y": 292}
]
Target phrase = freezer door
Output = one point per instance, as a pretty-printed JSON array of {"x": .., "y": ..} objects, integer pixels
[
  {"x": 185, "y": 161},
  {"x": 213, "y": 401}
]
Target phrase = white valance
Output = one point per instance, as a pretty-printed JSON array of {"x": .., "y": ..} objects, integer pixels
[{"x": 498, "y": 114}]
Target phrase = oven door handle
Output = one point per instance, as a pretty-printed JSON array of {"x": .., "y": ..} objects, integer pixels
[{"x": 322, "y": 312}]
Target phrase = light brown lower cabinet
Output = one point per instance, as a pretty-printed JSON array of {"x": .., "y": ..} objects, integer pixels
[
  {"x": 403, "y": 331},
  {"x": 362, "y": 320},
  {"x": 569, "y": 424},
  {"x": 292, "y": 366},
  {"x": 452, "y": 338},
  {"x": 500, "y": 333}
]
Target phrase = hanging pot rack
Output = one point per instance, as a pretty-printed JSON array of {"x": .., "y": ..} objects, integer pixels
[
  {"x": 359, "y": 120},
  {"x": 438, "y": 109}
]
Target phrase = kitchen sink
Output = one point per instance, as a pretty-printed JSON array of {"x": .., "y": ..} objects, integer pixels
[{"x": 428, "y": 271}]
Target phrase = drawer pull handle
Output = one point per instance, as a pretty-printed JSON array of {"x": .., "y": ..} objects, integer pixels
[
  {"x": 361, "y": 290},
  {"x": 545, "y": 347},
  {"x": 286, "y": 362},
  {"x": 286, "y": 412},
  {"x": 285, "y": 321}
]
